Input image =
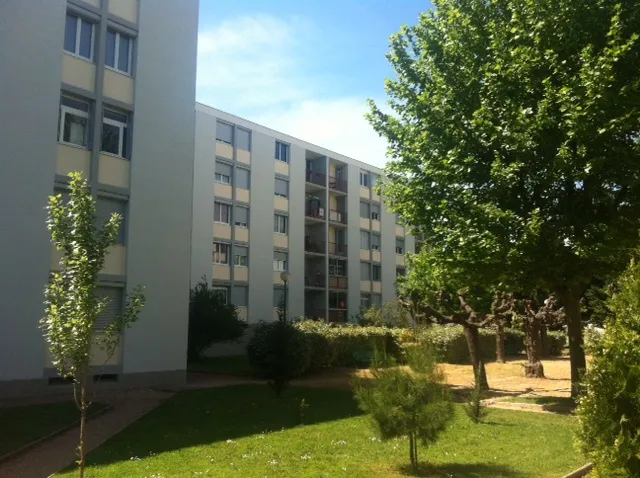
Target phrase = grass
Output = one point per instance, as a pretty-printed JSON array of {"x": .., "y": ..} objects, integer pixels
[
  {"x": 232, "y": 365},
  {"x": 23, "y": 425},
  {"x": 245, "y": 431}
]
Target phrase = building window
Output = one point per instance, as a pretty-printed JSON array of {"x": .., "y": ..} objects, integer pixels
[
  {"x": 376, "y": 273},
  {"x": 365, "y": 301},
  {"x": 114, "y": 133},
  {"x": 376, "y": 301},
  {"x": 279, "y": 261},
  {"x": 337, "y": 300},
  {"x": 221, "y": 253},
  {"x": 280, "y": 224},
  {"x": 365, "y": 271},
  {"x": 74, "y": 121},
  {"x": 375, "y": 212},
  {"x": 241, "y": 256},
  {"x": 373, "y": 179},
  {"x": 222, "y": 292},
  {"x": 242, "y": 178},
  {"x": 223, "y": 173},
  {"x": 119, "y": 52},
  {"x": 278, "y": 296},
  {"x": 282, "y": 188},
  {"x": 112, "y": 310},
  {"x": 241, "y": 218},
  {"x": 399, "y": 246},
  {"x": 375, "y": 242},
  {"x": 221, "y": 213},
  {"x": 105, "y": 208},
  {"x": 239, "y": 296},
  {"x": 365, "y": 240},
  {"x": 364, "y": 210},
  {"x": 364, "y": 179},
  {"x": 243, "y": 138},
  {"x": 79, "y": 36},
  {"x": 282, "y": 152},
  {"x": 400, "y": 272},
  {"x": 337, "y": 267},
  {"x": 224, "y": 133}
]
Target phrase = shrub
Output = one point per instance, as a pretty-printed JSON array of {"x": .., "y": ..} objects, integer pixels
[
  {"x": 609, "y": 410},
  {"x": 406, "y": 401},
  {"x": 391, "y": 314},
  {"x": 279, "y": 352},
  {"x": 210, "y": 320},
  {"x": 474, "y": 407},
  {"x": 556, "y": 341}
]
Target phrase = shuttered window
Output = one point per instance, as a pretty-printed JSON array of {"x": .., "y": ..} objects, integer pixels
[
  {"x": 241, "y": 217},
  {"x": 375, "y": 212},
  {"x": 375, "y": 242},
  {"x": 282, "y": 188},
  {"x": 224, "y": 133},
  {"x": 365, "y": 271},
  {"x": 105, "y": 207},
  {"x": 112, "y": 310},
  {"x": 244, "y": 139},
  {"x": 239, "y": 296},
  {"x": 223, "y": 173},
  {"x": 365, "y": 240},
  {"x": 364, "y": 210},
  {"x": 242, "y": 178}
]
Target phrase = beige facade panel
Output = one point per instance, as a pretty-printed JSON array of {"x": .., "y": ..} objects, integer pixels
[
  {"x": 375, "y": 226},
  {"x": 242, "y": 234},
  {"x": 332, "y": 169},
  {"x": 243, "y": 156},
  {"x": 243, "y": 195},
  {"x": 79, "y": 73},
  {"x": 282, "y": 168},
  {"x": 400, "y": 231},
  {"x": 241, "y": 274},
  {"x": 280, "y": 240},
  {"x": 376, "y": 286},
  {"x": 365, "y": 285},
  {"x": 374, "y": 196},
  {"x": 114, "y": 171},
  {"x": 399, "y": 259},
  {"x": 375, "y": 256},
  {"x": 276, "y": 278},
  {"x": 221, "y": 272},
  {"x": 365, "y": 223},
  {"x": 365, "y": 255},
  {"x": 126, "y": 9},
  {"x": 71, "y": 158},
  {"x": 224, "y": 150},
  {"x": 116, "y": 261},
  {"x": 243, "y": 313},
  {"x": 280, "y": 204},
  {"x": 118, "y": 86},
  {"x": 221, "y": 231},
  {"x": 333, "y": 202},
  {"x": 223, "y": 190},
  {"x": 364, "y": 192}
]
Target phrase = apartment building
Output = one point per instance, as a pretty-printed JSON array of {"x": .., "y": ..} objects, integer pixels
[
  {"x": 105, "y": 87},
  {"x": 265, "y": 203}
]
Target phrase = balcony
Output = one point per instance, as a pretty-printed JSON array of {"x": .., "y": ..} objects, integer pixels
[
  {"x": 337, "y": 184},
  {"x": 337, "y": 216},
  {"x": 338, "y": 249},
  {"x": 313, "y": 245},
  {"x": 336, "y": 282},
  {"x": 315, "y": 280},
  {"x": 316, "y": 314},
  {"x": 314, "y": 210},
  {"x": 339, "y": 316},
  {"x": 314, "y": 177}
]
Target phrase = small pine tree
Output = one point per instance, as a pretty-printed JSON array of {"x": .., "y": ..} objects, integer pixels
[
  {"x": 474, "y": 407},
  {"x": 408, "y": 401}
]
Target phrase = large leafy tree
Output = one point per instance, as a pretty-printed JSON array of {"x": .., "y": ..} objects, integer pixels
[{"x": 513, "y": 135}]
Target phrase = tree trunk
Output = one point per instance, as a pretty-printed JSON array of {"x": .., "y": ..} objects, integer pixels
[
  {"x": 473, "y": 342},
  {"x": 534, "y": 368},
  {"x": 543, "y": 340},
  {"x": 571, "y": 304},
  {"x": 83, "y": 421},
  {"x": 413, "y": 452},
  {"x": 500, "y": 356}
]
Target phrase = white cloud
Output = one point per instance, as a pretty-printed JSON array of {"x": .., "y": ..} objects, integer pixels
[{"x": 261, "y": 67}]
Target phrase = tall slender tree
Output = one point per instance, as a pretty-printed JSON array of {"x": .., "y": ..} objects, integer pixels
[{"x": 513, "y": 138}]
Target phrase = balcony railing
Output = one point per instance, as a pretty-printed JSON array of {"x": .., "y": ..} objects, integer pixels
[
  {"x": 338, "y": 184},
  {"x": 339, "y": 316},
  {"x": 336, "y": 282},
  {"x": 338, "y": 249},
  {"x": 316, "y": 178},
  {"x": 313, "y": 245},
  {"x": 337, "y": 216},
  {"x": 315, "y": 280},
  {"x": 314, "y": 210}
]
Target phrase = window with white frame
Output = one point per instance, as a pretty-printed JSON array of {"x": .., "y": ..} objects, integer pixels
[
  {"x": 224, "y": 133},
  {"x": 365, "y": 301},
  {"x": 241, "y": 218},
  {"x": 114, "y": 133},
  {"x": 364, "y": 179},
  {"x": 282, "y": 152},
  {"x": 79, "y": 36},
  {"x": 74, "y": 121},
  {"x": 221, "y": 253},
  {"x": 279, "y": 261},
  {"x": 399, "y": 246},
  {"x": 375, "y": 242},
  {"x": 375, "y": 212},
  {"x": 281, "y": 188},
  {"x": 280, "y": 224},
  {"x": 223, "y": 173},
  {"x": 221, "y": 213},
  {"x": 241, "y": 256},
  {"x": 376, "y": 272},
  {"x": 222, "y": 292},
  {"x": 119, "y": 52},
  {"x": 337, "y": 267}
]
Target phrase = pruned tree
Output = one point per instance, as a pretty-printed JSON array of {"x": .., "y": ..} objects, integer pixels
[
  {"x": 513, "y": 139},
  {"x": 72, "y": 300},
  {"x": 534, "y": 322},
  {"x": 503, "y": 309}
]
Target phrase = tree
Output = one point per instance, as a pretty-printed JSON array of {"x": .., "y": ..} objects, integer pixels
[
  {"x": 211, "y": 320},
  {"x": 609, "y": 410},
  {"x": 406, "y": 401},
  {"x": 474, "y": 408},
  {"x": 71, "y": 298},
  {"x": 502, "y": 311},
  {"x": 534, "y": 323},
  {"x": 513, "y": 135}
]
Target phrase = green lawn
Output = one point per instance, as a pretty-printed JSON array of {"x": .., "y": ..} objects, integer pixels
[
  {"x": 232, "y": 365},
  {"x": 244, "y": 431},
  {"x": 23, "y": 425}
]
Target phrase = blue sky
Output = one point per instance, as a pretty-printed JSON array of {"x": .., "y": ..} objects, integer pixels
[{"x": 304, "y": 67}]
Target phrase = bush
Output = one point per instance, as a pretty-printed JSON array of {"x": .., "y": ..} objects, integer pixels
[
  {"x": 556, "y": 341},
  {"x": 279, "y": 352},
  {"x": 391, "y": 314},
  {"x": 210, "y": 320}
]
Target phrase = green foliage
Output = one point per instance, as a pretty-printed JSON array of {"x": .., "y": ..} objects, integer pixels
[
  {"x": 474, "y": 408},
  {"x": 211, "y": 320},
  {"x": 609, "y": 410},
  {"x": 279, "y": 352},
  {"x": 391, "y": 314},
  {"x": 411, "y": 400}
]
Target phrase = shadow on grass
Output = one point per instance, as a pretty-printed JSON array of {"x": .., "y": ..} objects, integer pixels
[
  {"x": 199, "y": 417},
  {"x": 461, "y": 470}
]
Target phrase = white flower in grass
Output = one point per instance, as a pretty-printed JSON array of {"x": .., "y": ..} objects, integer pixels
[
  {"x": 244, "y": 457},
  {"x": 261, "y": 437},
  {"x": 344, "y": 469},
  {"x": 273, "y": 462},
  {"x": 134, "y": 458},
  {"x": 306, "y": 456},
  {"x": 230, "y": 441}
]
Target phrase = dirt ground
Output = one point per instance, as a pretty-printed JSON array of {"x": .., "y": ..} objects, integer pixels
[{"x": 504, "y": 379}]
